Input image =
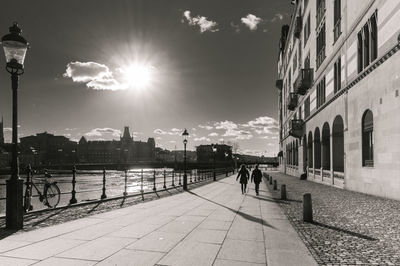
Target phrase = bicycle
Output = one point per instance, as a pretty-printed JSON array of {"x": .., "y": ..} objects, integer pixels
[{"x": 50, "y": 196}]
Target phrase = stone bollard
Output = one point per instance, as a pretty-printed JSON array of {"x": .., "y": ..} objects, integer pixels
[
  {"x": 270, "y": 180},
  {"x": 283, "y": 192},
  {"x": 125, "y": 183},
  {"x": 103, "y": 195},
  {"x": 154, "y": 180},
  {"x": 275, "y": 185},
  {"x": 307, "y": 208},
  {"x": 165, "y": 177}
]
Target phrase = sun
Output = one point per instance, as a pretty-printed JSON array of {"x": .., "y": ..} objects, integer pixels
[{"x": 137, "y": 75}]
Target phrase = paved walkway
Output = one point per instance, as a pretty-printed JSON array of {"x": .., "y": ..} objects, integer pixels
[{"x": 211, "y": 225}]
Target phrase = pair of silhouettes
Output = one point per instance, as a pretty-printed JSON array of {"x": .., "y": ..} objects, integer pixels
[{"x": 244, "y": 176}]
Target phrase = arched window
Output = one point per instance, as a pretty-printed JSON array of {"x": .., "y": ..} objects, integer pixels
[{"x": 368, "y": 139}]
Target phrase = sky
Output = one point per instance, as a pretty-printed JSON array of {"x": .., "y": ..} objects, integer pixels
[{"x": 157, "y": 66}]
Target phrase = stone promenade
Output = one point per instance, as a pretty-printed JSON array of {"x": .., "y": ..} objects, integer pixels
[{"x": 210, "y": 225}]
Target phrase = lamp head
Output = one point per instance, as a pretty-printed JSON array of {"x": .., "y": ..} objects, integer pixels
[{"x": 15, "y": 47}]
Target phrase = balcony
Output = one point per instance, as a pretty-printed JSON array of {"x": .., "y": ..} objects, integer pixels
[
  {"x": 298, "y": 26},
  {"x": 296, "y": 128},
  {"x": 304, "y": 81},
  {"x": 279, "y": 84},
  {"x": 292, "y": 101},
  {"x": 320, "y": 12}
]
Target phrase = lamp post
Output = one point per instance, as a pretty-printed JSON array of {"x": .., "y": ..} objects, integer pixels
[
  {"x": 214, "y": 149},
  {"x": 15, "y": 47},
  {"x": 185, "y": 136}
]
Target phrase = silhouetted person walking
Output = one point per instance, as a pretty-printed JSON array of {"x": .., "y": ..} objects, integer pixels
[
  {"x": 244, "y": 177},
  {"x": 257, "y": 176}
]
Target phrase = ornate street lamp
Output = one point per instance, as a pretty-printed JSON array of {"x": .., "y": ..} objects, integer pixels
[
  {"x": 185, "y": 136},
  {"x": 15, "y": 47},
  {"x": 214, "y": 149}
]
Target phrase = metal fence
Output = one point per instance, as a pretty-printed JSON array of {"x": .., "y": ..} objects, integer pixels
[{"x": 78, "y": 186}]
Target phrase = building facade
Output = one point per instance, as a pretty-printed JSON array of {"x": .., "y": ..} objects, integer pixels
[
  {"x": 125, "y": 150},
  {"x": 339, "y": 82},
  {"x": 206, "y": 153}
]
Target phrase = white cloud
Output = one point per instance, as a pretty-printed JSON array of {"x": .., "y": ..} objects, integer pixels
[
  {"x": 251, "y": 21},
  {"x": 206, "y": 127},
  {"x": 235, "y": 26},
  {"x": 213, "y": 134},
  {"x": 233, "y": 130},
  {"x": 278, "y": 16},
  {"x": 172, "y": 132},
  {"x": 96, "y": 76},
  {"x": 202, "y": 22},
  {"x": 202, "y": 139},
  {"x": 263, "y": 125},
  {"x": 99, "y": 132}
]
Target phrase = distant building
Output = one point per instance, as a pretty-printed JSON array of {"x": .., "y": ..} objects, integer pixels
[
  {"x": 47, "y": 149},
  {"x": 338, "y": 82},
  {"x": 175, "y": 155},
  {"x": 125, "y": 150},
  {"x": 205, "y": 153}
]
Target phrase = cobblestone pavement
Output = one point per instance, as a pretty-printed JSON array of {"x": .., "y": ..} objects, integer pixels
[
  {"x": 349, "y": 228},
  {"x": 52, "y": 217}
]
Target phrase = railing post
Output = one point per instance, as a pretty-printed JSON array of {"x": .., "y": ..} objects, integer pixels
[
  {"x": 165, "y": 177},
  {"x": 126, "y": 181},
  {"x": 154, "y": 181},
  {"x": 104, "y": 196},
  {"x": 190, "y": 177},
  {"x": 141, "y": 182},
  {"x": 173, "y": 178},
  {"x": 179, "y": 178},
  {"x": 73, "y": 192},
  {"x": 28, "y": 180},
  {"x": 226, "y": 172},
  {"x": 275, "y": 185},
  {"x": 270, "y": 180}
]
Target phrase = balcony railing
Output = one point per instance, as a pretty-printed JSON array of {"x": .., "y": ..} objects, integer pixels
[
  {"x": 321, "y": 56},
  {"x": 304, "y": 81},
  {"x": 337, "y": 30},
  {"x": 298, "y": 26},
  {"x": 292, "y": 101},
  {"x": 279, "y": 84},
  {"x": 296, "y": 128}
]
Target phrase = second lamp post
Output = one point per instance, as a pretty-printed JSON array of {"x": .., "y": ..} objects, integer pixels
[{"x": 185, "y": 136}]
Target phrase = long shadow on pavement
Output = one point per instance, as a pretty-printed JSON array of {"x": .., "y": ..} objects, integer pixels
[
  {"x": 344, "y": 231},
  {"x": 244, "y": 215}
]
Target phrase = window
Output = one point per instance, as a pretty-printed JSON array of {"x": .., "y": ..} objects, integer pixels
[
  {"x": 307, "y": 62},
  {"x": 321, "y": 46},
  {"x": 368, "y": 139},
  {"x": 337, "y": 81},
  {"x": 321, "y": 92},
  {"x": 307, "y": 107},
  {"x": 320, "y": 10},
  {"x": 300, "y": 114},
  {"x": 367, "y": 43},
  {"x": 307, "y": 30},
  {"x": 336, "y": 19}
]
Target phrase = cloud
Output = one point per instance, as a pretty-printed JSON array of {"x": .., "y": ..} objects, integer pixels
[
  {"x": 213, "y": 134},
  {"x": 233, "y": 130},
  {"x": 235, "y": 26},
  {"x": 202, "y": 139},
  {"x": 202, "y": 22},
  {"x": 277, "y": 16},
  {"x": 98, "y": 132},
  {"x": 70, "y": 129},
  {"x": 251, "y": 21},
  {"x": 96, "y": 76},
  {"x": 172, "y": 132},
  {"x": 263, "y": 125},
  {"x": 206, "y": 127}
]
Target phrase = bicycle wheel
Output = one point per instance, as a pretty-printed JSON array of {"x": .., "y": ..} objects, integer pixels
[
  {"x": 52, "y": 195},
  {"x": 27, "y": 199}
]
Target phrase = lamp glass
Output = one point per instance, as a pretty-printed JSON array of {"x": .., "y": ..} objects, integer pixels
[{"x": 15, "y": 50}]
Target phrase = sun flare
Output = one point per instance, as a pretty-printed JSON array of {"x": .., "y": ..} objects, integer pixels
[{"x": 137, "y": 75}]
